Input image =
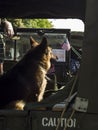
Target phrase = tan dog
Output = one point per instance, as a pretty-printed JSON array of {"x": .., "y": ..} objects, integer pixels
[{"x": 26, "y": 81}]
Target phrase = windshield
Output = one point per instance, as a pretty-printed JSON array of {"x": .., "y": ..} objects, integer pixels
[{"x": 14, "y": 49}]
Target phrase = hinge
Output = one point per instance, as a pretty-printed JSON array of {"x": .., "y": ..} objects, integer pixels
[{"x": 81, "y": 104}]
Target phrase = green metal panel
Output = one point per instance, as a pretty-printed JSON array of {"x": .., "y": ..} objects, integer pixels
[{"x": 13, "y": 120}]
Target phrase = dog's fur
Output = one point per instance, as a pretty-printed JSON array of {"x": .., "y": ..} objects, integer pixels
[{"x": 26, "y": 81}]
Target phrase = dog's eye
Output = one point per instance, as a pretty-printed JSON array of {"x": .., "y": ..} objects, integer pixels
[{"x": 48, "y": 51}]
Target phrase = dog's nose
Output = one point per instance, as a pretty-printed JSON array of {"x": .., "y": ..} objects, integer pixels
[{"x": 54, "y": 57}]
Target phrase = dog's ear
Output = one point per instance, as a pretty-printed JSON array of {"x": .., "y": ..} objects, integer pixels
[
  {"x": 44, "y": 40},
  {"x": 44, "y": 43},
  {"x": 33, "y": 43}
]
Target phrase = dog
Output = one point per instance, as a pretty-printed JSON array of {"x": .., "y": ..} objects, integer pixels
[
  {"x": 26, "y": 81},
  {"x": 51, "y": 77}
]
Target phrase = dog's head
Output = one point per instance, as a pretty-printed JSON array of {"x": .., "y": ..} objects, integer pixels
[
  {"x": 44, "y": 47},
  {"x": 42, "y": 51}
]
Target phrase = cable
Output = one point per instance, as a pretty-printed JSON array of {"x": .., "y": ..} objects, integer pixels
[
  {"x": 67, "y": 122},
  {"x": 68, "y": 99}
]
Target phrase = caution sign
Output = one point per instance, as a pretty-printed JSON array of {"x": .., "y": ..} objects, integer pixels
[
  {"x": 48, "y": 120},
  {"x": 53, "y": 122}
]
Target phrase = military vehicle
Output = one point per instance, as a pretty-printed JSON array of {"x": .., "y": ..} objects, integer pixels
[{"x": 74, "y": 105}]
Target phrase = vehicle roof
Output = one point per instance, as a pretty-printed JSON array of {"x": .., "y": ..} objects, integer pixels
[{"x": 43, "y": 9}]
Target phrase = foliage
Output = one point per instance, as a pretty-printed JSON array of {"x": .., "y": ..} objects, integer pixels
[{"x": 31, "y": 23}]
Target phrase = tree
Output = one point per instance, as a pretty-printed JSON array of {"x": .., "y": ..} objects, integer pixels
[{"x": 31, "y": 23}]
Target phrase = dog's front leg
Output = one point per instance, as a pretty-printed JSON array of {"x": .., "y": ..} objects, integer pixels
[{"x": 42, "y": 89}]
